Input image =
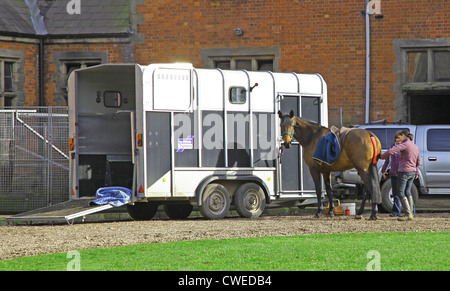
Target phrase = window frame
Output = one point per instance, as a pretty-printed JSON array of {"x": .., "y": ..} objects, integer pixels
[
  {"x": 233, "y": 61},
  {"x": 117, "y": 99},
  {"x": 430, "y": 52},
  {"x": 7, "y": 96},
  {"x": 210, "y": 56},
  {"x": 242, "y": 92}
]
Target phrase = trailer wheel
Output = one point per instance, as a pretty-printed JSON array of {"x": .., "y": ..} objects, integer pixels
[
  {"x": 215, "y": 202},
  {"x": 249, "y": 200},
  {"x": 178, "y": 210},
  {"x": 142, "y": 210}
]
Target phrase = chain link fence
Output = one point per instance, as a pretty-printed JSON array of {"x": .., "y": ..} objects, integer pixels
[{"x": 34, "y": 162}]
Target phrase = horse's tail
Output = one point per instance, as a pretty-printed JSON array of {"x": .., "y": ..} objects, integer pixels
[{"x": 374, "y": 183}]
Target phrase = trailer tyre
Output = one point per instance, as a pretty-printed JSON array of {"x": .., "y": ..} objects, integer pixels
[
  {"x": 178, "y": 210},
  {"x": 142, "y": 210},
  {"x": 249, "y": 200},
  {"x": 215, "y": 202}
]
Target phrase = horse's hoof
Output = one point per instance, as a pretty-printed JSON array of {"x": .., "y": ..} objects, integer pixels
[
  {"x": 318, "y": 215},
  {"x": 373, "y": 217},
  {"x": 358, "y": 216}
]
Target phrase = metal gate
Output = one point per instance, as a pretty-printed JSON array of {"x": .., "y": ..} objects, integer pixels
[{"x": 34, "y": 162}]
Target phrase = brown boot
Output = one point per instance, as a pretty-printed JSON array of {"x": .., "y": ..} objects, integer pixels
[{"x": 407, "y": 208}]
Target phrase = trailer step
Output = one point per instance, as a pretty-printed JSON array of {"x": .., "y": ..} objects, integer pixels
[{"x": 61, "y": 212}]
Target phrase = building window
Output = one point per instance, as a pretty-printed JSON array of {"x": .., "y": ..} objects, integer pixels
[
  {"x": 71, "y": 66},
  {"x": 249, "y": 63},
  {"x": 8, "y": 76},
  {"x": 68, "y": 61},
  {"x": 417, "y": 67},
  {"x": 242, "y": 58},
  {"x": 429, "y": 65},
  {"x": 422, "y": 84},
  {"x": 7, "y": 93},
  {"x": 441, "y": 66}
]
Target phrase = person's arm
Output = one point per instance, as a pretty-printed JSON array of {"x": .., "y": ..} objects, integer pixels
[
  {"x": 384, "y": 167},
  {"x": 417, "y": 166},
  {"x": 396, "y": 149}
]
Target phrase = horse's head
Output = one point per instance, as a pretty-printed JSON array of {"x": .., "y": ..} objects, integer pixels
[{"x": 287, "y": 125}]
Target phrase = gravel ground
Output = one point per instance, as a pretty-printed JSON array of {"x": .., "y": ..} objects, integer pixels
[{"x": 25, "y": 240}]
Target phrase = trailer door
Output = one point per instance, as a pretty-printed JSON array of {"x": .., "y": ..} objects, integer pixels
[{"x": 295, "y": 177}]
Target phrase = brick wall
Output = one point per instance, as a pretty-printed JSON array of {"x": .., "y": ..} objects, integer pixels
[
  {"x": 114, "y": 52},
  {"x": 29, "y": 96},
  {"x": 314, "y": 36},
  {"x": 27, "y": 70},
  {"x": 324, "y": 36}
]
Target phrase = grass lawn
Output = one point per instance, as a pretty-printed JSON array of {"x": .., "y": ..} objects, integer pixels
[{"x": 351, "y": 251}]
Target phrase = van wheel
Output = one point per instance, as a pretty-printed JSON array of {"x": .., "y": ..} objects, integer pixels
[
  {"x": 249, "y": 200},
  {"x": 178, "y": 210},
  {"x": 387, "y": 199},
  {"x": 142, "y": 210},
  {"x": 215, "y": 202}
]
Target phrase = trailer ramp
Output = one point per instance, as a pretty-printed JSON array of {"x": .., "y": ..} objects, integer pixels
[{"x": 61, "y": 212}]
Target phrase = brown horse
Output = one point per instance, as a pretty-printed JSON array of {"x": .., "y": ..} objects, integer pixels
[{"x": 361, "y": 151}]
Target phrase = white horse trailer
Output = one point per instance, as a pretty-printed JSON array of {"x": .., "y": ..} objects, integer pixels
[{"x": 183, "y": 137}]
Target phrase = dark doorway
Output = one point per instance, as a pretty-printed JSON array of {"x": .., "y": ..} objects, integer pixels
[{"x": 429, "y": 109}]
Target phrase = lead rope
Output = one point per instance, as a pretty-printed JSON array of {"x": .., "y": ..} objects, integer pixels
[{"x": 281, "y": 152}]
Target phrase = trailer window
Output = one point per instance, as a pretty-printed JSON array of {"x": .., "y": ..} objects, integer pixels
[
  {"x": 238, "y": 95},
  {"x": 112, "y": 99}
]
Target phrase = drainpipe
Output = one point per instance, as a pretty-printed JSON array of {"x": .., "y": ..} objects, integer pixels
[
  {"x": 41, "y": 71},
  {"x": 41, "y": 31},
  {"x": 367, "y": 15}
]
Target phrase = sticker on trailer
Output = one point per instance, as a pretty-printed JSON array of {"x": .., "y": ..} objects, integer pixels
[{"x": 185, "y": 144}]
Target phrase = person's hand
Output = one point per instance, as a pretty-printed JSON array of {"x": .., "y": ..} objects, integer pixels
[{"x": 385, "y": 175}]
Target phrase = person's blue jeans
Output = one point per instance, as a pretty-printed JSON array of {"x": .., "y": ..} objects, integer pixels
[
  {"x": 397, "y": 207},
  {"x": 404, "y": 184}
]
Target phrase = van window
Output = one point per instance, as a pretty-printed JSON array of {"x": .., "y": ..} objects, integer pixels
[
  {"x": 438, "y": 140},
  {"x": 112, "y": 99},
  {"x": 385, "y": 135},
  {"x": 238, "y": 95}
]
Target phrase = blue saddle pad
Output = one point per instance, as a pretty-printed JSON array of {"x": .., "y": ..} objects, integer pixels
[
  {"x": 328, "y": 150},
  {"x": 116, "y": 196}
]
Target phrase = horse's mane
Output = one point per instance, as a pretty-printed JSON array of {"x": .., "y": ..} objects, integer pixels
[{"x": 312, "y": 123}]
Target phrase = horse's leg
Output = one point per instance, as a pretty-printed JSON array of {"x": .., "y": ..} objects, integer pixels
[
  {"x": 315, "y": 173},
  {"x": 374, "y": 187},
  {"x": 360, "y": 212},
  {"x": 369, "y": 178},
  {"x": 327, "y": 181},
  {"x": 365, "y": 179}
]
